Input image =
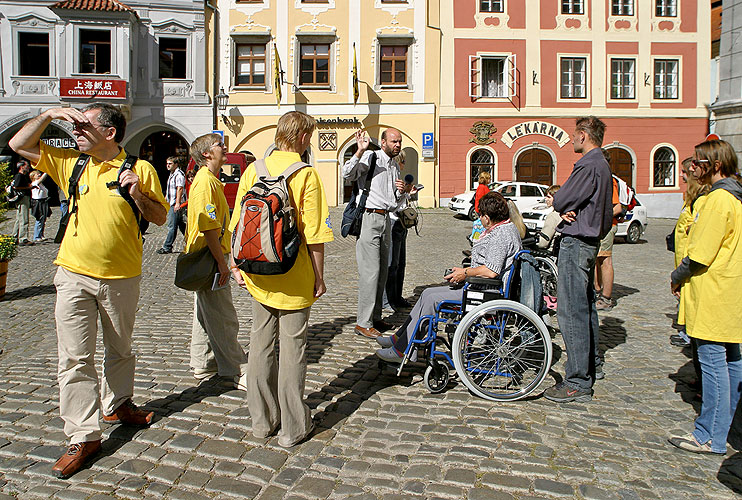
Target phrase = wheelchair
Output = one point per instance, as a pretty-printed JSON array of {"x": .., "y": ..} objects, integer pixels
[{"x": 500, "y": 349}]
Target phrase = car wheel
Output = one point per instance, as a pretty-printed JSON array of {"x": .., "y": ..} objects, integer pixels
[
  {"x": 633, "y": 233},
  {"x": 472, "y": 213}
]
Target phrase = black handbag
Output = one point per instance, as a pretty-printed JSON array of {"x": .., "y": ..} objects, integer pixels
[
  {"x": 353, "y": 213},
  {"x": 670, "y": 241},
  {"x": 195, "y": 271}
]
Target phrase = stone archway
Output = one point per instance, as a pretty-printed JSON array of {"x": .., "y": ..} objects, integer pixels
[{"x": 534, "y": 165}]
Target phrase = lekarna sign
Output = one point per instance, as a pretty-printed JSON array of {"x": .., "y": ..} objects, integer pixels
[{"x": 428, "y": 145}]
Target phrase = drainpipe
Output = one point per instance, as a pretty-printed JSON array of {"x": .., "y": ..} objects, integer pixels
[{"x": 215, "y": 71}]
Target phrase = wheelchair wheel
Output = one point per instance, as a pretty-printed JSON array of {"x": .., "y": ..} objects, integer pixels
[
  {"x": 436, "y": 377},
  {"x": 501, "y": 350},
  {"x": 547, "y": 268}
]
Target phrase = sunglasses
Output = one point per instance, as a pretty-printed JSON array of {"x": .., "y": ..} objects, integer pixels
[{"x": 698, "y": 163}]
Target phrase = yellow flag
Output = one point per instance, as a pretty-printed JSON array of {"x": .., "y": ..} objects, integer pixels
[
  {"x": 277, "y": 75},
  {"x": 356, "y": 92}
]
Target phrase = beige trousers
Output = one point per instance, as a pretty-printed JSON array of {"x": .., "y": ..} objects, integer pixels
[
  {"x": 275, "y": 391},
  {"x": 214, "y": 345},
  {"x": 80, "y": 301}
]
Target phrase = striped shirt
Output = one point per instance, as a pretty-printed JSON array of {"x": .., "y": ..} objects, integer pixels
[{"x": 174, "y": 181}]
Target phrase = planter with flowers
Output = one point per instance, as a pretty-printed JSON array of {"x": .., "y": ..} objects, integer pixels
[{"x": 8, "y": 250}]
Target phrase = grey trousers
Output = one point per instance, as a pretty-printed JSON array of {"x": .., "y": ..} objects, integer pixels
[
  {"x": 372, "y": 255},
  {"x": 214, "y": 345},
  {"x": 20, "y": 228},
  {"x": 275, "y": 391},
  {"x": 81, "y": 300}
]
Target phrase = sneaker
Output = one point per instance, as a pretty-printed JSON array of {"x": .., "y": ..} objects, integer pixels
[
  {"x": 385, "y": 341},
  {"x": 300, "y": 440},
  {"x": 689, "y": 443},
  {"x": 39, "y": 240},
  {"x": 678, "y": 341},
  {"x": 603, "y": 304},
  {"x": 162, "y": 251},
  {"x": 390, "y": 355},
  {"x": 240, "y": 382},
  {"x": 599, "y": 373},
  {"x": 128, "y": 413},
  {"x": 561, "y": 393}
]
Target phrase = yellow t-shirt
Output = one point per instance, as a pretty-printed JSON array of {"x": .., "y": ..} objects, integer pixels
[
  {"x": 295, "y": 289},
  {"x": 207, "y": 209},
  {"x": 685, "y": 221},
  {"x": 712, "y": 309},
  {"x": 102, "y": 238}
]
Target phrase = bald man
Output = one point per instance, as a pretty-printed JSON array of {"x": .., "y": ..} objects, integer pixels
[{"x": 372, "y": 246}]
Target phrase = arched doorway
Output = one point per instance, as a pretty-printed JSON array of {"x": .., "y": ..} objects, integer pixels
[
  {"x": 348, "y": 185},
  {"x": 158, "y": 146},
  {"x": 621, "y": 164},
  {"x": 534, "y": 165}
]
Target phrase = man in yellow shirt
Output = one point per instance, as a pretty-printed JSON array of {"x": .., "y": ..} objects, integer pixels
[
  {"x": 214, "y": 346},
  {"x": 100, "y": 267},
  {"x": 275, "y": 394}
]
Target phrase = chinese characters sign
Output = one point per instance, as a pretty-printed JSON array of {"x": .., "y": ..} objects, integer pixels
[{"x": 92, "y": 88}]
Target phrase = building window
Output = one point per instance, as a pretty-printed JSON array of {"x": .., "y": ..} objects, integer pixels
[
  {"x": 33, "y": 54},
  {"x": 393, "y": 69},
  {"x": 664, "y": 168},
  {"x": 95, "y": 51},
  {"x": 250, "y": 65},
  {"x": 622, "y": 79},
  {"x": 314, "y": 66},
  {"x": 573, "y": 6},
  {"x": 173, "y": 57},
  {"x": 482, "y": 160},
  {"x": 665, "y": 79},
  {"x": 491, "y": 6},
  {"x": 492, "y": 76},
  {"x": 623, "y": 8},
  {"x": 666, "y": 8},
  {"x": 573, "y": 78}
]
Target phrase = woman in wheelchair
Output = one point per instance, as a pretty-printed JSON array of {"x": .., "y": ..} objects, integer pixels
[{"x": 491, "y": 254}]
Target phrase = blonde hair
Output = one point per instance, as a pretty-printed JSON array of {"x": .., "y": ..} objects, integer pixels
[
  {"x": 401, "y": 156},
  {"x": 201, "y": 145},
  {"x": 553, "y": 189},
  {"x": 695, "y": 189},
  {"x": 291, "y": 127},
  {"x": 484, "y": 177},
  {"x": 35, "y": 173}
]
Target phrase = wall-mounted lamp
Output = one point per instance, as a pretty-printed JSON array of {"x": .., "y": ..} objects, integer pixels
[{"x": 222, "y": 100}]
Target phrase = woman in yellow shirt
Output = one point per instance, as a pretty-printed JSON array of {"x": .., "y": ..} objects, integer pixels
[{"x": 710, "y": 275}]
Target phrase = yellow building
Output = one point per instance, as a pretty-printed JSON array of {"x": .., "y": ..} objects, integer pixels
[{"x": 396, "y": 45}]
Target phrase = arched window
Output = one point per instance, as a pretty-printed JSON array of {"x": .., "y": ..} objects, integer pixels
[
  {"x": 482, "y": 160},
  {"x": 664, "y": 167}
]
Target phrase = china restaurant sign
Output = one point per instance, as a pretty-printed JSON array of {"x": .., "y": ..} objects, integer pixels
[
  {"x": 535, "y": 128},
  {"x": 88, "y": 88}
]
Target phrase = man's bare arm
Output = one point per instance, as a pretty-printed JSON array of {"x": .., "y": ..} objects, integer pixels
[
  {"x": 151, "y": 210},
  {"x": 26, "y": 141}
]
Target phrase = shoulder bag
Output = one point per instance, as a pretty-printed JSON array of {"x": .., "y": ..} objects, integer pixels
[{"x": 353, "y": 213}]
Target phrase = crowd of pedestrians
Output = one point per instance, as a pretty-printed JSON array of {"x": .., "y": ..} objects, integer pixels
[{"x": 100, "y": 261}]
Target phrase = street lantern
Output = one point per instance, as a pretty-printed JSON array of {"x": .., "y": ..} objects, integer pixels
[{"x": 222, "y": 99}]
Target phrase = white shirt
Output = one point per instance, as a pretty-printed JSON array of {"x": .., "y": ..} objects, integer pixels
[
  {"x": 383, "y": 193},
  {"x": 39, "y": 191}
]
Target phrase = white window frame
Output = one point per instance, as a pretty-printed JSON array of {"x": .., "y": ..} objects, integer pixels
[
  {"x": 315, "y": 39},
  {"x": 679, "y": 66},
  {"x": 586, "y": 98},
  {"x": 662, "y": 7},
  {"x": 615, "y": 57},
  {"x": 76, "y": 53},
  {"x": 393, "y": 40},
  {"x": 475, "y": 76},
  {"x": 502, "y": 2},
  {"x": 571, "y": 9},
  {"x": 16, "y": 33},
  {"x": 676, "y": 172},
  {"x": 623, "y": 5},
  {"x": 495, "y": 170},
  {"x": 238, "y": 39}
]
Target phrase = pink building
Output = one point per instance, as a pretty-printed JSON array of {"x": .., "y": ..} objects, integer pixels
[{"x": 521, "y": 71}]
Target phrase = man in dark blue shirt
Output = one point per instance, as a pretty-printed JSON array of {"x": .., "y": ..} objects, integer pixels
[{"x": 584, "y": 203}]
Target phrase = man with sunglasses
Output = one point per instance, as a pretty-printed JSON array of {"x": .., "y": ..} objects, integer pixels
[{"x": 100, "y": 266}]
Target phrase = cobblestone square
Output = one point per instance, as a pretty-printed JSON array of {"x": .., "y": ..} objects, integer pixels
[{"x": 378, "y": 436}]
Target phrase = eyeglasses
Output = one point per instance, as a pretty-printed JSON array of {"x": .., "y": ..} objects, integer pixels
[{"x": 698, "y": 163}]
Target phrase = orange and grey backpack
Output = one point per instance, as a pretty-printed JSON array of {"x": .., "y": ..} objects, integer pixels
[{"x": 266, "y": 239}]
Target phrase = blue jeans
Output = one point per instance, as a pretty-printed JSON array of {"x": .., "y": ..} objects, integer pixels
[
  {"x": 721, "y": 368},
  {"x": 576, "y": 313},
  {"x": 174, "y": 222}
]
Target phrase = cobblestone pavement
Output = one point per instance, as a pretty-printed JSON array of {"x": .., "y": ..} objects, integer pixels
[{"x": 379, "y": 436}]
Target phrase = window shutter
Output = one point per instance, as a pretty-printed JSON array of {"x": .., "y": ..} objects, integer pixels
[
  {"x": 475, "y": 74},
  {"x": 512, "y": 77}
]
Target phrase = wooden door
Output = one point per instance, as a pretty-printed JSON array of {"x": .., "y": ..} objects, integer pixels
[
  {"x": 534, "y": 165},
  {"x": 621, "y": 164}
]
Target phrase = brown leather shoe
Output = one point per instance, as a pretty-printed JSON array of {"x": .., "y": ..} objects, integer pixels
[
  {"x": 128, "y": 413},
  {"x": 74, "y": 458},
  {"x": 369, "y": 333},
  {"x": 382, "y": 325}
]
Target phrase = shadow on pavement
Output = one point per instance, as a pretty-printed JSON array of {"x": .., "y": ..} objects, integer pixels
[
  {"x": 29, "y": 291},
  {"x": 620, "y": 291},
  {"x": 730, "y": 473},
  {"x": 612, "y": 334},
  {"x": 177, "y": 402}
]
